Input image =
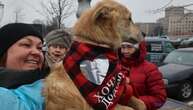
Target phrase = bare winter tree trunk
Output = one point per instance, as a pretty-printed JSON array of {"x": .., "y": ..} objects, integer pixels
[{"x": 56, "y": 11}]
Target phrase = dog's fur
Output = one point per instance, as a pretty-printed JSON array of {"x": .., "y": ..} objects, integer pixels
[{"x": 106, "y": 24}]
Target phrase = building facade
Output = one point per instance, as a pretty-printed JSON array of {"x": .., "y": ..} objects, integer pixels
[
  {"x": 181, "y": 25},
  {"x": 179, "y": 22},
  {"x": 173, "y": 11},
  {"x": 176, "y": 23},
  {"x": 150, "y": 29}
]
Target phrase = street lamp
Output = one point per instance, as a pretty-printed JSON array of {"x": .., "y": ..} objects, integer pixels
[{"x": 1, "y": 11}]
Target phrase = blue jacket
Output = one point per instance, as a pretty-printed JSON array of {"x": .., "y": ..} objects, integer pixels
[{"x": 26, "y": 97}]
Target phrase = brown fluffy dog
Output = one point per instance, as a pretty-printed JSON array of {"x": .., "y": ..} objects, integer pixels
[{"x": 105, "y": 25}]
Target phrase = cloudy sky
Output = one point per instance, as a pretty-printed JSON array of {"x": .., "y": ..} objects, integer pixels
[{"x": 141, "y": 9}]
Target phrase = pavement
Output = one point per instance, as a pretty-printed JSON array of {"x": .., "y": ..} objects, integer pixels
[
  {"x": 172, "y": 104},
  {"x": 190, "y": 102}
]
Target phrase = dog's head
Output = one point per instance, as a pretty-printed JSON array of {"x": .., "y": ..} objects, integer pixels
[{"x": 108, "y": 22}]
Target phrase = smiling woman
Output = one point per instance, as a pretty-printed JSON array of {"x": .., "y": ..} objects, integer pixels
[
  {"x": 25, "y": 54},
  {"x": 20, "y": 46},
  {"x": 21, "y": 62},
  {"x": 21, "y": 57}
]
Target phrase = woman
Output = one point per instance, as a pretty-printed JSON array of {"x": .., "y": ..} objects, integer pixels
[
  {"x": 16, "y": 55},
  {"x": 144, "y": 76},
  {"x": 21, "y": 57}
]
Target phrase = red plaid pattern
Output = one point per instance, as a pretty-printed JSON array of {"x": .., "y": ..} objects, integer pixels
[{"x": 100, "y": 97}]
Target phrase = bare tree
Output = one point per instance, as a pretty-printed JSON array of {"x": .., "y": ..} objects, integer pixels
[
  {"x": 1, "y": 11},
  {"x": 56, "y": 11},
  {"x": 18, "y": 14}
]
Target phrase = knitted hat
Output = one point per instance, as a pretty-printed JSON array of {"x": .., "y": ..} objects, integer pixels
[
  {"x": 59, "y": 36},
  {"x": 11, "y": 33}
]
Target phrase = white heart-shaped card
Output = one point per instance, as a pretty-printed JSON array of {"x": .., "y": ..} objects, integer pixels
[{"x": 96, "y": 70}]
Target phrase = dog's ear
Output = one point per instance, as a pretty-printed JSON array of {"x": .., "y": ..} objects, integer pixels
[{"x": 104, "y": 13}]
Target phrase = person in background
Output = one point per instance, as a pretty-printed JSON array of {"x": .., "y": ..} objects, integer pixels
[
  {"x": 58, "y": 42},
  {"x": 21, "y": 61},
  {"x": 145, "y": 78}
]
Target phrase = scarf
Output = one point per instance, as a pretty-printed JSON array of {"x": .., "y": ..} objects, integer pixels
[
  {"x": 101, "y": 89},
  {"x": 12, "y": 79}
]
